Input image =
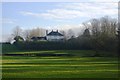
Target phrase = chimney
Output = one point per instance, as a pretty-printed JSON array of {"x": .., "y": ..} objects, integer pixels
[
  {"x": 46, "y": 32},
  {"x": 57, "y": 31}
]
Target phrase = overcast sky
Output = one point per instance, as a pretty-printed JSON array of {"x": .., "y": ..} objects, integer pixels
[{"x": 54, "y": 15}]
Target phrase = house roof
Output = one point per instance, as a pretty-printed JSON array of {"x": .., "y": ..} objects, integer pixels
[
  {"x": 54, "y": 33},
  {"x": 18, "y": 38},
  {"x": 38, "y": 38}
]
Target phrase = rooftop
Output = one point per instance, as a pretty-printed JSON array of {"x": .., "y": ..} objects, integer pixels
[{"x": 55, "y": 33}]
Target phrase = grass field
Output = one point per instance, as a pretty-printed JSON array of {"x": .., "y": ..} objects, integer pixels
[{"x": 59, "y": 66}]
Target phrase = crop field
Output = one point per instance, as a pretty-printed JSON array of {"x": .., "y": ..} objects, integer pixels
[{"x": 59, "y": 66}]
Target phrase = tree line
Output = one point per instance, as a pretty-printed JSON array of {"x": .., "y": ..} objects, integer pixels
[{"x": 98, "y": 34}]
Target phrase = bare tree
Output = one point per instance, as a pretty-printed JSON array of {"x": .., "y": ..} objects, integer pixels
[
  {"x": 103, "y": 30},
  {"x": 113, "y": 26},
  {"x": 42, "y": 32},
  {"x": 9, "y": 39},
  {"x": 95, "y": 27},
  {"x": 17, "y": 31},
  {"x": 108, "y": 26},
  {"x": 70, "y": 34},
  {"x": 86, "y": 33},
  {"x": 118, "y": 32},
  {"x": 27, "y": 35},
  {"x": 86, "y": 25},
  {"x": 37, "y": 32},
  {"x": 17, "y": 34},
  {"x": 64, "y": 33},
  {"x": 34, "y": 33}
]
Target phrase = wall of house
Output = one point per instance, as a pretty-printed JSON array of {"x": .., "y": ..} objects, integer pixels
[{"x": 53, "y": 38}]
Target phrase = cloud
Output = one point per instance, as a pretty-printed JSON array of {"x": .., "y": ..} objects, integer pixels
[
  {"x": 7, "y": 21},
  {"x": 26, "y": 13},
  {"x": 56, "y": 14},
  {"x": 77, "y": 10},
  {"x": 67, "y": 26},
  {"x": 93, "y": 9},
  {"x": 62, "y": 14}
]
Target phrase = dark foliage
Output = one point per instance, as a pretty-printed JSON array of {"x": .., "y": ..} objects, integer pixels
[{"x": 72, "y": 44}]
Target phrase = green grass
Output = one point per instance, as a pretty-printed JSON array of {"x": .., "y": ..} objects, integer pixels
[
  {"x": 81, "y": 53},
  {"x": 59, "y": 67}
]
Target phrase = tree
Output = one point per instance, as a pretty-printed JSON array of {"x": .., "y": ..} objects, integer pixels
[
  {"x": 86, "y": 33},
  {"x": 103, "y": 33},
  {"x": 37, "y": 32},
  {"x": 64, "y": 33},
  {"x": 9, "y": 39},
  {"x": 17, "y": 34},
  {"x": 86, "y": 24},
  {"x": 108, "y": 26},
  {"x": 17, "y": 31},
  {"x": 118, "y": 35},
  {"x": 27, "y": 35},
  {"x": 95, "y": 27},
  {"x": 70, "y": 34},
  {"x": 108, "y": 32}
]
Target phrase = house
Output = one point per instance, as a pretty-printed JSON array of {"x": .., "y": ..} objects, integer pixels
[
  {"x": 38, "y": 39},
  {"x": 52, "y": 36},
  {"x": 18, "y": 38}
]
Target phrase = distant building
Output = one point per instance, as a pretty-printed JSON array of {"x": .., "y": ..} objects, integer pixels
[
  {"x": 52, "y": 36},
  {"x": 38, "y": 39},
  {"x": 18, "y": 39},
  {"x": 55, "y": 36}
]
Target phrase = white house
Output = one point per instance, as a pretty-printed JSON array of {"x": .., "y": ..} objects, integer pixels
[{"x": 54, "y": 36}]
